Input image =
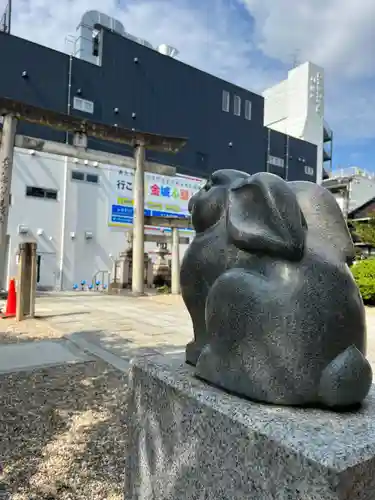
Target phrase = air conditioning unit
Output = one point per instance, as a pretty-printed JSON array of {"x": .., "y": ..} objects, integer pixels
[{"x": 21, "y": 229}]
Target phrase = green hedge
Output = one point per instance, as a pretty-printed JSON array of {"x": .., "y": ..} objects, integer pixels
[{"x": 364, "y": 274}]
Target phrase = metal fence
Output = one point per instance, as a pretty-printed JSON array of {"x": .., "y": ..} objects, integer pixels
[{"x": 350, "y": 172}]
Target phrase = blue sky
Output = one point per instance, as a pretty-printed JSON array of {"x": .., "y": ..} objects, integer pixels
[{"x": 249, "y": 42}]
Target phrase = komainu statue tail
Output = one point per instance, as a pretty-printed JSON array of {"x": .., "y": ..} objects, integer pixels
[{"x": 346, "y": 381}]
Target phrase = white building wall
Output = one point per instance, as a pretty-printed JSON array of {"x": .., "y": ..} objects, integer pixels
[
  {"x": 59, "y": 227},
  {"x": 276, "y": 107},
  {"x": 351, "y": 186},
  {"x": 295, "y": 107},
  {"x": 36, "y": 214},
  {"x": 362, "y": 189},
  {"x": 87, "y": 212},
  {"x": 341, "y": 201}
]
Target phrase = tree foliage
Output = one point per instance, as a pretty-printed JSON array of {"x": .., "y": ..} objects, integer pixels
[
  {"x": 365, "y": 230},
  {"x": 364, "y": 274}
]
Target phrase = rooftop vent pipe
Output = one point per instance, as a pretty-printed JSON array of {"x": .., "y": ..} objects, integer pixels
[{"x": 167, "y": 50}]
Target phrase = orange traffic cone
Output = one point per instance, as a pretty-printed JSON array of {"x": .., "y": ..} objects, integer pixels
[{"x": 10, "y": 310}]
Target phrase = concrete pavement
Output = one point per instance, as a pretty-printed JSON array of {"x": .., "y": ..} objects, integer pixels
[
  {"x": 124, "y": 326},
  {"x": 32, "y": 355},
  {"x": 113, "y": 328}
]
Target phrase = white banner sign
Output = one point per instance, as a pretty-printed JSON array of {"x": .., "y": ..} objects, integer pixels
[{"x": 164, "y": 196}]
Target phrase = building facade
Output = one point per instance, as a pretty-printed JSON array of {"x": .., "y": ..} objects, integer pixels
[
  {"x": 295, "y": 107},
  {"x": 115, "y": 78},
  {"x": 77, "y": 213},
  {"x": 352, "y": 188},
  {"x": 74, "y": 210}
]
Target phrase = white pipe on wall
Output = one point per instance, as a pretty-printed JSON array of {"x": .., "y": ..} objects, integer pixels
[{"x": 63, "y": 224}]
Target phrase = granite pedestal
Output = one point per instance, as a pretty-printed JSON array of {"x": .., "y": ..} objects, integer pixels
[{"x": 188, "y": 440}]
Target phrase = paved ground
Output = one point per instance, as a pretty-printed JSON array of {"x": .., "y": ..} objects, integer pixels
[
  {"x": 39, "y": 354},
  {"x": 123, "y": 326},
  {"x": 111, "y": 327},
  {"x": 370, "y": 316},
  {"x": 114, "y": 328}
]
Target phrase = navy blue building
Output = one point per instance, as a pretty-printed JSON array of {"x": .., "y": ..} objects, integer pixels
[{"x": 138, "y": 87}]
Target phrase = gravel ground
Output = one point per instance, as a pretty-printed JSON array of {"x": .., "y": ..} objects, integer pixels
[{"x": 62, "y": 433}]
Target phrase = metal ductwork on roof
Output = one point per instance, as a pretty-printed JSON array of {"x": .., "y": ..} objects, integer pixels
[
  {"x": 167, "y": 50},
  {"x": 87, "y": 32}
]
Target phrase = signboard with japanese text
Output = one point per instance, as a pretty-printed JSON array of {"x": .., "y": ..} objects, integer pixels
[{"x": 164, "y": 196}]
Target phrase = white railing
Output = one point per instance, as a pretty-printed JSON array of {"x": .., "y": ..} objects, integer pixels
[
  {"x": 328, "y": 129},
  {"x": 350, "y": 172}
]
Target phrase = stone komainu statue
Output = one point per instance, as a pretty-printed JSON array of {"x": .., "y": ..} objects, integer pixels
[{"x": 276, "y": 313}]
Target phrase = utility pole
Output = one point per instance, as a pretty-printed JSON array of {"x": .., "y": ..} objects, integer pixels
[
  {"x": 138, "y": 265},
  {"x": 6, "y": 170}
]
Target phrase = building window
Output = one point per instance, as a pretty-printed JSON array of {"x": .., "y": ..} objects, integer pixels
[
  {"x": 248, "y": 110},
  {"x": 309, "y": 171},
  {"x": 50, "y": 194},
  {"x": 83, "y": 105},
  {"x": 37, "y": 192},
  {"x": 81, "y": 176},
  {"x": 93, "y": 178},
  {"x": 237, "y": 105},
  {"x": 276, "y": 162},
  {"x": 78, "y": 176},
  {"x": 226, "y": 101}
]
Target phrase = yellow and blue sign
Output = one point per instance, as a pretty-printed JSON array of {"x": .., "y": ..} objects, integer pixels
[
  {"x": 124, "y": 215},
  {"x": 164, "y": 196}
]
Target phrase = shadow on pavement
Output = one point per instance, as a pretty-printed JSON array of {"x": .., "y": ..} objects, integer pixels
[
  {"x": 122, "y": 346},
  {"x": 49, "y": 316}
]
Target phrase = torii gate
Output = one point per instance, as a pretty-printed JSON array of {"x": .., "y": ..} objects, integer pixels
[{"x": 13, "y": 111}]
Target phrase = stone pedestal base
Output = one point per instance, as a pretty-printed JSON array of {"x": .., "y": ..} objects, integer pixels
[{"x": 188, "y": 440}]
